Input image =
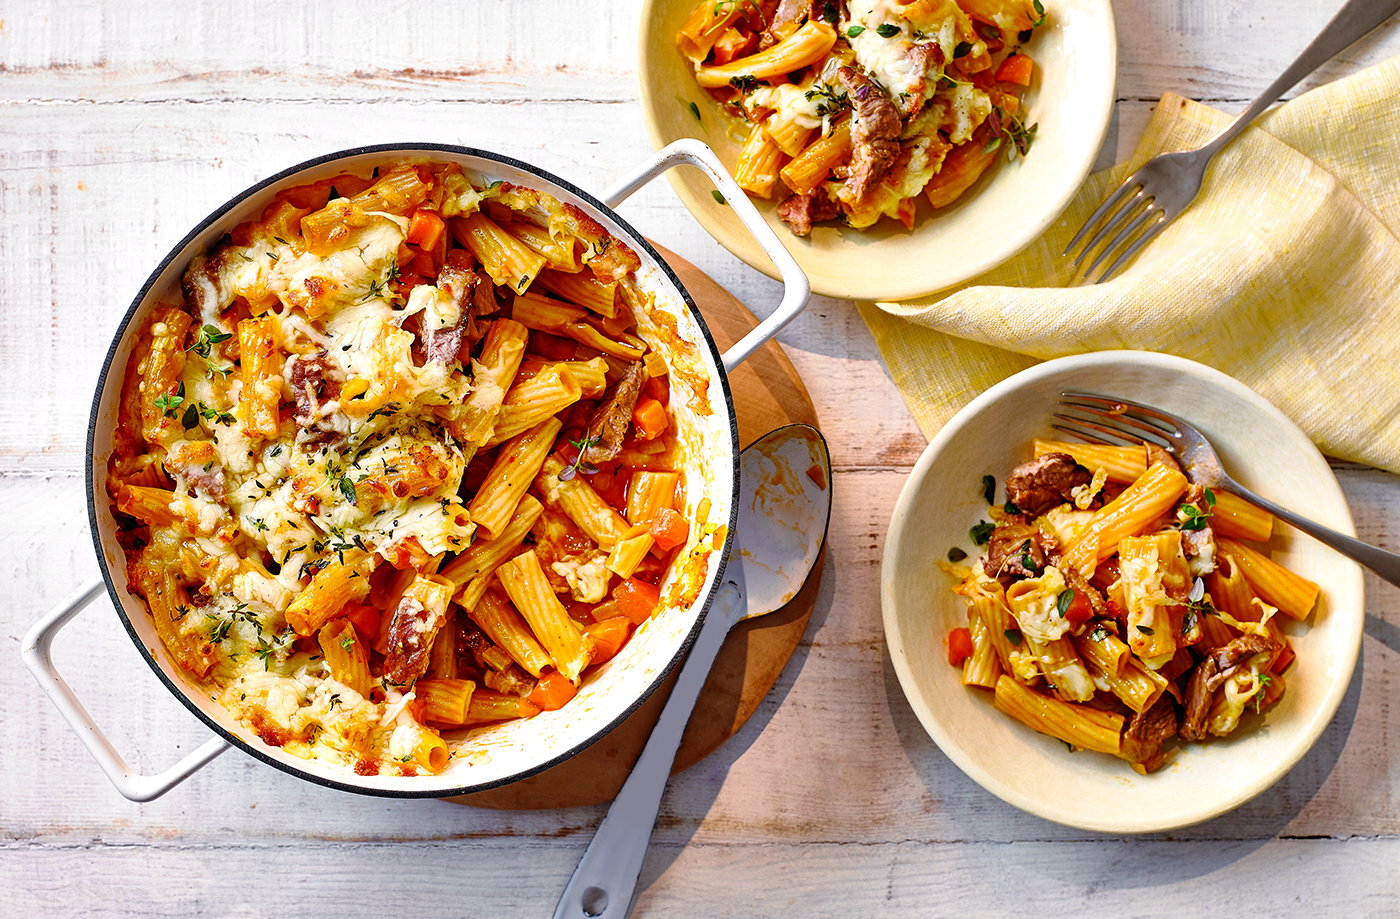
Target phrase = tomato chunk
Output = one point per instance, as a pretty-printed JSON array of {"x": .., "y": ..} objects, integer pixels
[{"x": 959, "y": 646}]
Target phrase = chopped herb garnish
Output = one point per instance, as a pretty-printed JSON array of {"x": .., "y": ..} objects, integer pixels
[
  {"x": 209, "y": 336},
  {"x": 281, "y": 240},
  {"x": 956, "y": 555},
  {"x": 220, "y": 630},
  {"x": 1013, "y": 636},
  {"x": 989, "y": 488},
  {"x": 829, "y": 12},
  {"x": 982, "y": 532},
  {"x": 1012, "y": 129},
  {"x": 1146, "y": 630},
  {"x": 191, "y": 416},
  {"x": 1039, "y": 12},
  {"x": 694, "y": 109},
  {"x": 962, "y": 49},
  {"x": 853, "y": 31},
  {"x": 1209, "y": 497},
  {"x": 829, "y": 101},
  {"x": 171, "y": 401},
  {"x": 347, "y": 490},
  {"x": 1192, "y": 517},
  {"x": 744, "y": 83},
  {"x": 578, "y": 465},
  {"x": 714, "y": 193},
  {"x": 1063, "y": 601},
  {"x": 1010, "y": 508},
  {"x": 334, "y": 701},
  {"x": 887, "y": 30},
  {"x": 348, "y": 642},
  {"x": 1098, "y": 634}
]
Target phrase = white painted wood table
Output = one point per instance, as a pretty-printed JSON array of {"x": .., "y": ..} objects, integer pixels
[{"x": 121, "y": 125}]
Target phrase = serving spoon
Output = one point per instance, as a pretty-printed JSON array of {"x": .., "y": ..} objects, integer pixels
[{"x": 785, "y": 495}]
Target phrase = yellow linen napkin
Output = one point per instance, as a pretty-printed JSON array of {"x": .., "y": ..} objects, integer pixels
[{"x": 1284, "y": 273}]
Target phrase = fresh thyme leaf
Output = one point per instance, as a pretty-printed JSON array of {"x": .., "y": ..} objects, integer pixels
[
  {"x": 1039, "y": 12},
  {"x": 694, "y": 109},
  {"x": 578, "y": 465},
  {"x": 829, "y": 101},
  {"x": 1010, "y": 508},
  {"x": 962, "y": 50},
  {"x": 191, "y": 416},
  {"x": 989, "y": 488},
  {"x": 982, "y": 532},
  {"x": 347, "y": 489},
  {"x": 719, "y": 198},
  {"x": 956, "y": 555},
  {"x": 348, "y": 642},
  {"x": 1063, "y": 601},
  {"x": 170, "y": 401},
  {"x": 1013, "y": 636},
  {"x": 1209, "y": 497},
  {"x": 887, "y": 30},
  {"x": 744, "y": 83},
  {"x": 1098, "y": 634},
  {"x": 209, "y": 336},
  {"x": 991, "y": 145},
  {"x": 853, "y": 31},
  {"x": 1146, "y": 630},
  {"x": 829, "y": 13}
]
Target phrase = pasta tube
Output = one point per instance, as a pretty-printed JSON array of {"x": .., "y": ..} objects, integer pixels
[
  {"x": 807, "y": 45},
  {"x": 260, "y": 369},
  {"x": 529, "y": 590},
  {"x": 333, "y": 586},
  {"x": 1126, "y": 515},
  {"x": 1276, "y": 585},
  {"x": 445, "y": 701},
  {"x": 504, "y": 626},
  {"x": 506, "y": 259},
  {"x": 1077, "y": 725},
  {"x": 515, "y": 468}
]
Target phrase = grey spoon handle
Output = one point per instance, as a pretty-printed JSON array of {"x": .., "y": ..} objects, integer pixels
[{"x": 605, "y": 880}]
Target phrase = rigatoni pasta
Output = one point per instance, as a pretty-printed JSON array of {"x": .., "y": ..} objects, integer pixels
[
  {"x": 1110, "y": 611},
  {"x": 856, "y": 111},
  {"x": 338, "y": 438}
]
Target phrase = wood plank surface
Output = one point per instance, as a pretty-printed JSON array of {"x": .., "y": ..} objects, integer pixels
[{"x": 121, "y": 124}]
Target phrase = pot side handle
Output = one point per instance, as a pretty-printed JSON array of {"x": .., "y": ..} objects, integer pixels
[
  {"x": 796, "y": 290},
  {"x": 134, "y": 786}
]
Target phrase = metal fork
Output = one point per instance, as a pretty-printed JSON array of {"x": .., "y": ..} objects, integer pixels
[
  {"x": 1118, "y": 421},
  {"x": 1157, "y": 193}
]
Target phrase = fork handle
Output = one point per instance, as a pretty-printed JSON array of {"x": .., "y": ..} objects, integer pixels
[
  {"x": 1383, "y": 563},
  {"x": 1351, "y": 22}
]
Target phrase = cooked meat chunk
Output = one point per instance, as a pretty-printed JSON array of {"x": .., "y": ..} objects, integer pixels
[
  {"x": 1214, "y": 669},
  {"x": 411, "y": 634},
  {"x": 1147, "y": 731},
  {"x": 1011, "y": 544},
  {"x": 1156, "y": 454},
  {"x": 313, "y": 386},
  {"x": 875, "y": 125},
  {"x": 788, "y": 16},
  {"x": 799, "y": 212},
  {"x": 610, "y": 420},
  {"x": 1045, "y": 482},
  {"x": 923, "y": 57}
]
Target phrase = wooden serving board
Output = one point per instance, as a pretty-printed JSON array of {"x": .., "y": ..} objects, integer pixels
[{"x": 767, "y": 395}]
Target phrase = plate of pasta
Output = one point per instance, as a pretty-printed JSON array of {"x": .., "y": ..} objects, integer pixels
[
  {"x": 932, "y": 138},
  {"x": 1094, "y": 638},
  {"x": 412, "y": 470}
]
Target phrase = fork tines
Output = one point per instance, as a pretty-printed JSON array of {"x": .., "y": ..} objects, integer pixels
[{"x": 1114, "y": 421}]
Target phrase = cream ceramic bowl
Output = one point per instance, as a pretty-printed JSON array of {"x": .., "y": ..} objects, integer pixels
[
  {"x": 1036, "y": 773},
  {"x": 1071, "y": 99}
]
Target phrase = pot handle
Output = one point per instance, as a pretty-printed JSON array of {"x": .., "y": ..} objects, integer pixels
[
  {"x": 134, "y": 786},
  {"x": 796, "y": 290}
]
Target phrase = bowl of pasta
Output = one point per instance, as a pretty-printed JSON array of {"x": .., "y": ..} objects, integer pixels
[
  {"x": 1094, "y": 638},
  {"x": 899, "y": 148},
  {"x": 412, "y": 469}
]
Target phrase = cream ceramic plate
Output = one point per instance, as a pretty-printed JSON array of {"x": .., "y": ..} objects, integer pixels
[
  {"x": 1071, "y": 99},
  {"x": 1036, "y": 773}
]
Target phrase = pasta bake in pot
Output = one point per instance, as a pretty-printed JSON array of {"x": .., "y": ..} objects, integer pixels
[{"x": 418, "y": 470}]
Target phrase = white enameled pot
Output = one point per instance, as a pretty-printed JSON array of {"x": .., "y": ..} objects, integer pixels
[{"x": 506, "y": 752}]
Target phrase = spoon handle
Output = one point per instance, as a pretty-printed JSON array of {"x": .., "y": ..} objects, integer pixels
[{"x": 605, "y": 880}]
